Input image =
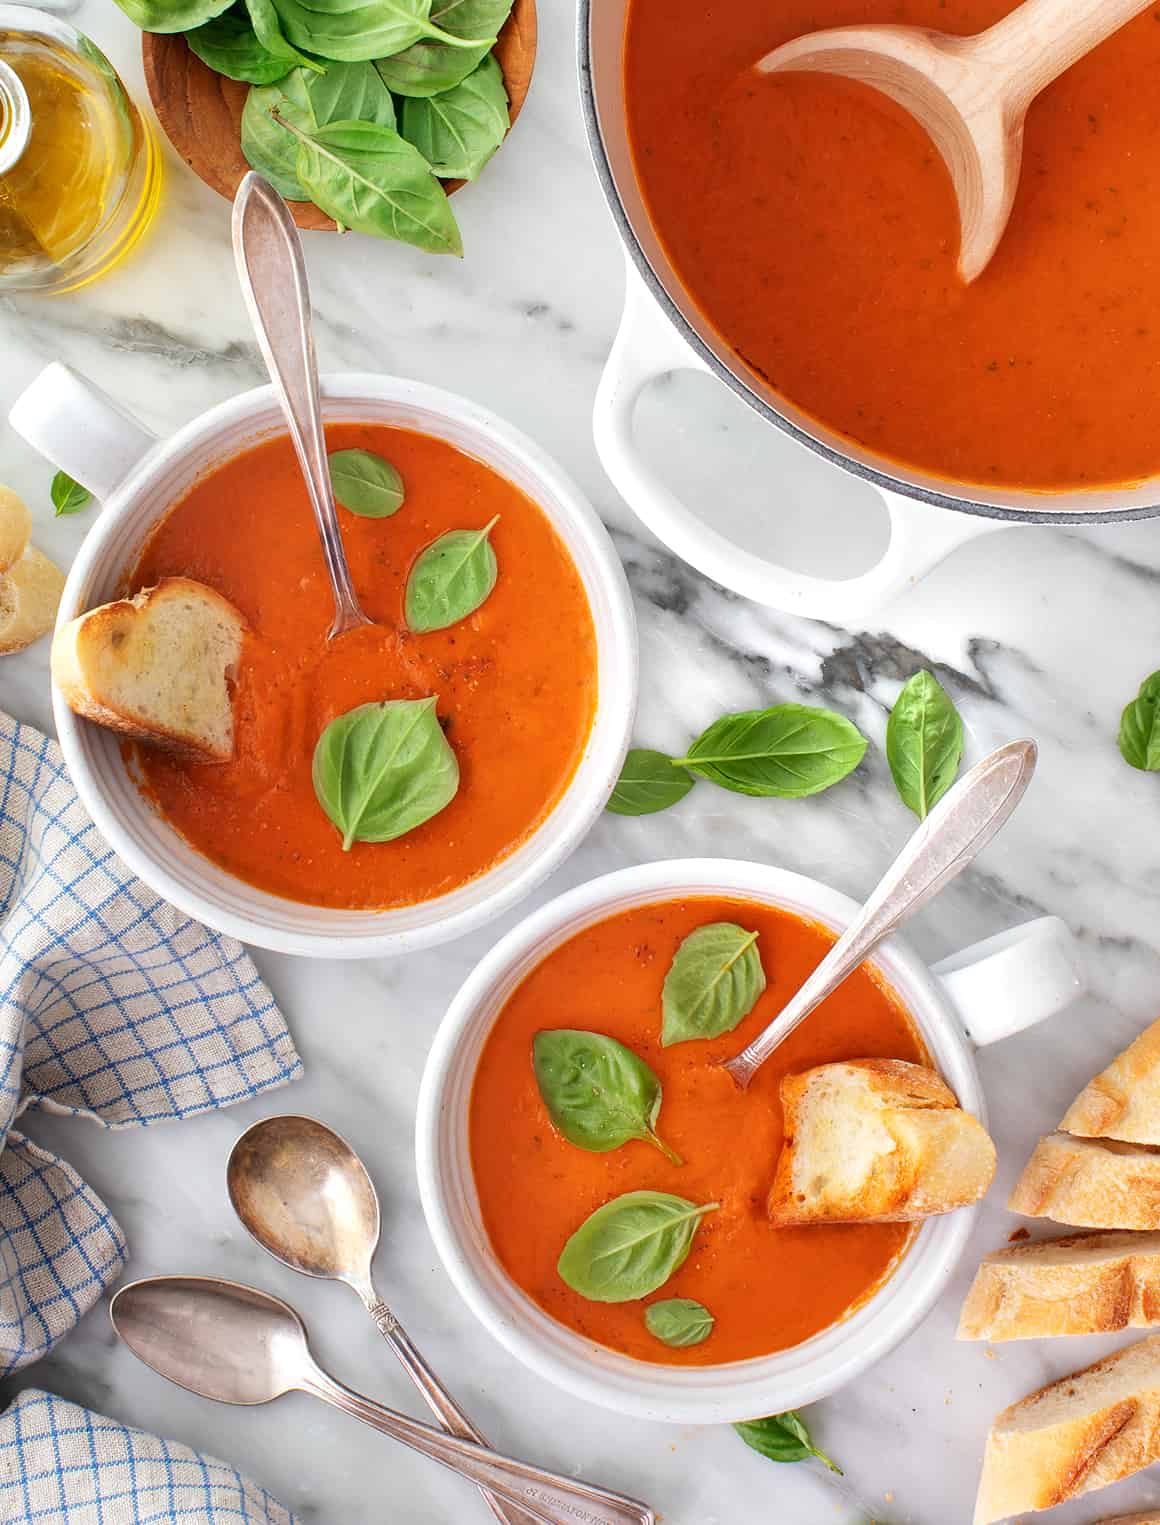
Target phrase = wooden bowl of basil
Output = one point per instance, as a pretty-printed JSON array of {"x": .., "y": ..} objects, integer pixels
[{"x": 377, "y": 144}]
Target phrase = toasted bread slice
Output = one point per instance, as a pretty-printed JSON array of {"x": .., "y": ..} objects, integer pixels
[
  {"x": 158, "y": 667},
  {"x": 15, "y": 528},
  {"x": 1090, "y": 1183},
  {"x": 1081, "y": 1284},
  {"x": 1073, "y": 1436},
  {"x": 30, "y": 593},
  {"x": 876, "y": 1141},
  {"x": 1124, "y": 1100}
]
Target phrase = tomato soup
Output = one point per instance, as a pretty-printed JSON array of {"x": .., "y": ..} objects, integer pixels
[
  {"x": 814, "y": 224},
  {"x": 515, "y": 681},
  {"x": 767, "y": 1288}
]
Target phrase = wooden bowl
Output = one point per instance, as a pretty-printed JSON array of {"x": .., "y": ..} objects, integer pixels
[{"x": 201, "y": 111}]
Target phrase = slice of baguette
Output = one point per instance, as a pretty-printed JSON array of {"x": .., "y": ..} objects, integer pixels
[
  {"x": 1091, "y": 1183},
  {"x": 1124, "y": 1100},
  {"x": 30, "y": 593},
  {"x": 1073, "y": 1436},
  {"x": 15, "y": 528},
  {"x": 158, "y": 667},
  {"x": 876, "y": 1141},
  {"x": 1081, "y": 1284}
]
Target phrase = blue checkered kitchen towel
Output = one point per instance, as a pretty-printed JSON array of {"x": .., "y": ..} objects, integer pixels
[{"x": 113, "y": 1007}]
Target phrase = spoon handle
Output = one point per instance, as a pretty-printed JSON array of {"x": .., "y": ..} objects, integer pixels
[
  {"x": 437, "y": 1398},
  {"x": 1035, "y": 43},
  {"x": 546, "y": 1496},
  {"x": 272, "y": 272},
  {"x": 957, "y": 829}
]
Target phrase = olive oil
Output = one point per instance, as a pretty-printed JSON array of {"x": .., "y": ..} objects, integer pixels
[{"x": 79, "y": 171}]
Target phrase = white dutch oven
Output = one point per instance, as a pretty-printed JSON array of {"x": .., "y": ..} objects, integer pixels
[
  {"x": 139, "y": 478},
  {"x": 984, "y": 993},
  {"x": 662, "y": 331}
]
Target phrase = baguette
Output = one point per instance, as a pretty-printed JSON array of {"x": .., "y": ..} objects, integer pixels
[
  {"x": 30, "y": 593},
  {"x": 876, "y": 1141},
  {"x": 1081, "y": 1284},
  {"x": 1074, "y": 1436},
  {"x": 15, "y": 528},
  {"x": 1091, "y": 1183},
  {"x": 157, "y": 667},
  {"x": 1124, "y": 1100}
]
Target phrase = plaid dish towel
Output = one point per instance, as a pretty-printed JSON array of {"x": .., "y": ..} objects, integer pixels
[
  {"x": 60, "y": 1462},
  {"x": 114, "y": 1007}
]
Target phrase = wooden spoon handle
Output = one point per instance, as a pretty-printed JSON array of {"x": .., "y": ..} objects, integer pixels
[{"x": 1041, "y": 39}]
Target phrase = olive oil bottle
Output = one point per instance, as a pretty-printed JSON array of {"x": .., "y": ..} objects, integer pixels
[{"x": 79, "y": 170}]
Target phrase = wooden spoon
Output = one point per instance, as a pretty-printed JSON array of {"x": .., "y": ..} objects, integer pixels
[{"x": 971, "y": 94}]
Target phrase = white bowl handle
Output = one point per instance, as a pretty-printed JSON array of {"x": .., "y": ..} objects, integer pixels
[
  {"x": 1014, "y": 979},
  {"x": 79, "y": 429},
  {"x": 647, "y": 346}
]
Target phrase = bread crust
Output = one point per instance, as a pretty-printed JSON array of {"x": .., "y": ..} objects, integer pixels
[
  {"x": 1090, "y": 1183},
  {"x": 1150, "y": 1517},
  {"x": 1123, "y": 1101}
]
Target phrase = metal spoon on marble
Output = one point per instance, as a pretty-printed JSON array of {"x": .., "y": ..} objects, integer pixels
[
  {"x": 238, "y": 1345},
  {"x": 952, "y": 835},
  {"x": 303, "y": 1193}
]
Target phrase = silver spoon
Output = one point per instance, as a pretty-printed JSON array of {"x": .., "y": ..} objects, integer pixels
[
  {"x": 238, "y": 1345},
  {"x": 306, "y": 1197},
  {"x": 272, "y": 272},
  {"x": 956, "y": 830}
]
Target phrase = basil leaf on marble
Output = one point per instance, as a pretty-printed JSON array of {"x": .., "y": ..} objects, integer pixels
[
  {"x": 450, "y": 579},
  {"x": 924, "y": 743},
  {"x": 789, "y": 750},
  {"x": 68, "y": 497},
  {"x": 679, "y": 1322},
  {"x": 631, "y": 1246},
  {"x": 359, "y": 30},
  {"x": 1140, "y": 727},
  {"x": 229, "y": 45},
  {"x": 784, "y": 1438},
  {"x": 648, "y": 782},
  {"x": 429, "y": 66},
  {"x": 458, "y": 130},
  {"x": 598, "y": 1093},
  {"x": 712, "y": 984},
  {"x": 346, "y": 92},
  {"x": 172, "y": 15},
  {"x": 382, "y": 769},
  {"x": 365, "y": 483}
]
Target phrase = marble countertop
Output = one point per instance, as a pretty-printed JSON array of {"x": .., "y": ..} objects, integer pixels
[{"x": 1039, "y": 632}]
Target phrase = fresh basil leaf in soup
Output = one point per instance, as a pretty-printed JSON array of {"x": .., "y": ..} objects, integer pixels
[
  {"x": 365, "y": 483},
  {"x": 649, "y": 781},
  {"x": 68, "y": 497},
  {"x": 450, "y": 579},
  {"x": 229, "y": 45},
  {"x": 789, "y": 750},
  {"x": 346, "y": 92},
  {"x": 268, "y": 30},
  {"x": 458, "y": 131},
  {"x": 679, "y": 1322},
  {"x": 370, "y": 179},
  {"x": 598, "y": 1093},
  {"x": 382, "y": 769},
  {"x": 172, "y": 15},
  {"x": 784, "y": 1438},
  {"x": 360, "y": 30},
  {"x": 428, "y": 67},
  {"x": 1140, "y": 727},
  {"x": 712, "y": 984},
  {"x": 924, "y": 743},
  {"x": 631, "y": 1246}
]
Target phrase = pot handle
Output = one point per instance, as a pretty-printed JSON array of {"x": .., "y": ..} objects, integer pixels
[
  {"x": 648, "y": 346},
  {"x": 80, "y": 429},
  {"x": 1014, "y": 979}
]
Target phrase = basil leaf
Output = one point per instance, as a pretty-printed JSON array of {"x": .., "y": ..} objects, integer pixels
[
  {"x": 428, "y": 67},
  {"x": 631, "y": 1246},
  {"x": 598, "y": 1093},
  {"x": 382, "y": 769},
  {"x": 370, "y": 179},
  {"x": 365, "y": 483},
  {"x": 358, "y": 30},
  {"x": 68, "y": 497},
  {"x": 790, "y": 751},
  {"x": 458, "y": 131},
  {"x": 268, "y": 30},
  {"x": 782, "y": 1437},
  {"x": 450, "y": 579},
  {"x": 171, "y": 15},
  {"x": 679, "y": 1322},
  {"x": 648, "y": 782},
  {"x": 713, "y": 982},
  {"x": 924, "y": 743},
  {"x": 346, "y": 92},
  {"x": 229, "y": 45},
  {"x": 1140, "y": 727}
]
